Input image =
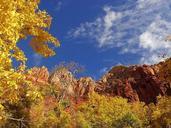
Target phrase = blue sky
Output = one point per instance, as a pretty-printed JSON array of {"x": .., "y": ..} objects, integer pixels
[{"x": 99, "y": 34}]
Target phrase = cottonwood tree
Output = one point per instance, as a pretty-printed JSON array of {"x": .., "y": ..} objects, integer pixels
[{"x": 20, "y": 19}]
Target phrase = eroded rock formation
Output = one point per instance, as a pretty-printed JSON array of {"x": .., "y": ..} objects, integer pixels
[
  {"x": 84, "y": 87},
  {"x": 136, "y": 83},
  {"x": 143, "y": 83}
]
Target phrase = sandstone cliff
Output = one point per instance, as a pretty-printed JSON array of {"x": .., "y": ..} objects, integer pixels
[{"x": 136, "y": 83}]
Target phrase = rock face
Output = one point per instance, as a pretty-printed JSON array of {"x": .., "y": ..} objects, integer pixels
[
  {"x": 64, "y": 80},
  {"x": 136, "y": 83},
  {"x": 84, "y": 87},
  {"x": 77, "y": 89}
]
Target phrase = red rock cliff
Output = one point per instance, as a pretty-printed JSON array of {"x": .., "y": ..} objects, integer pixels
[{"x": 137, "y": 83}]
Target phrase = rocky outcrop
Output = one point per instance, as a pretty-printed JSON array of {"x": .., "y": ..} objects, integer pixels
[
  {"x": 64, "y": 80},
  {"x": 135, "y": 83},
  {"x": 77, "y": 89},
  {"x": 84, "y": 87}
]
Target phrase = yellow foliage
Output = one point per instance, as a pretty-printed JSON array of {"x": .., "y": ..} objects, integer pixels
[
  {"x": 43, "y": 115},
  {"x": 106, "y": 112},
  {"x": 140, "y": 110},
  {"x": 161, "y": 113},
  {"x": 20, "y": 19},
  {"x": 2, "y": 115},
  {"x": 9, "y": 85}
]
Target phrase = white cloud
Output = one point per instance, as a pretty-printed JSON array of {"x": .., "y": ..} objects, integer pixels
[
  {"x": 154, "y": 37},
  {"x": 153, "y": 41},
  {"x": 110, "y": 17},
  {"x": 144, "y": 3},
  {"x": 107, "y": 21},
  {"x": 99, "y": 30},
  {"x": 140, "y": 27}
]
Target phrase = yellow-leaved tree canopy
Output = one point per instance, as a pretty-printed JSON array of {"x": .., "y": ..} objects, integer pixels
[{"x": 20, "y": 19}]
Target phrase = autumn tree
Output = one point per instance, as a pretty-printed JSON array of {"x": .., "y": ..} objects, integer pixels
[
  {"x": 107, "y": 112},
  {"x": 160, "y": 115},
  {"x": 72, "y": 67},
  {"x": 20, "y": 19}
]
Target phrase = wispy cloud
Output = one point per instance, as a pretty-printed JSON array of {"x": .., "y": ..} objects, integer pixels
[
  {"x": 103, "y": 70},
  {"x": 58, "y": 5},
  {"x": 99, "y": 30},
  {"x": 140, "y": 27},
  {"x": 37, "y": 59}
]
